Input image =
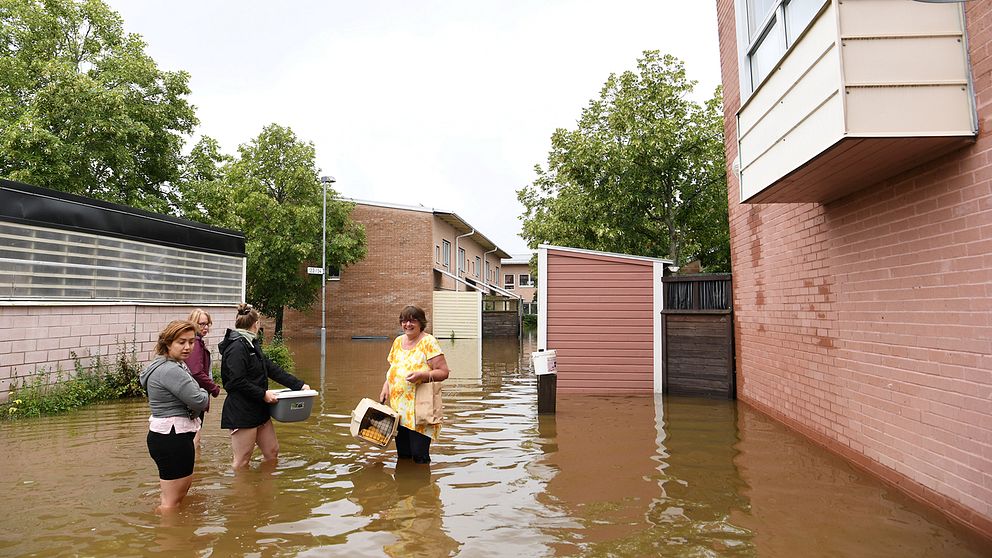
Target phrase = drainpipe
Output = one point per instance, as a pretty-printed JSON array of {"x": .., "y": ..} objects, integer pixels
[
  {"x": 484, "y": 261},
  {"x": 458, "y": 263}
]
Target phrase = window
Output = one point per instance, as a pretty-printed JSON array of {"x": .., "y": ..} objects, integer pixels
[
  {"x": 39, "y": 263},
  {"x": 488, "y": 276},
  {"x": 772, "y": 27},
  {"x": 446, "y": 253},
  {"x": 462, "y": 262},
  {"x": 508, "y": 281},
  {"x": 437, "y": 254},
  {"x": 478, "y": 266},
  {"x": 333, "y": 273},
  {"x": 525, "y": 280}
]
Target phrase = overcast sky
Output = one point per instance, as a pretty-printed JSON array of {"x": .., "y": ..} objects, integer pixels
[{"x": 445, "y": 103}]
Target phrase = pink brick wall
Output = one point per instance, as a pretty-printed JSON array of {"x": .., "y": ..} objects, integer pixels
[
  {"x": 866, "y": 323},
  {"x": 35, "y": 338}
]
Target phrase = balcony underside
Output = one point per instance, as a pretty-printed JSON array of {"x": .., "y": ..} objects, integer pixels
[{"x": 853, "y": 164}]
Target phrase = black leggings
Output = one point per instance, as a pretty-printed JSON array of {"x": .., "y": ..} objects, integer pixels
[
  {"x": 173, "y": 453},
  {"x": 410, "y": 443}
]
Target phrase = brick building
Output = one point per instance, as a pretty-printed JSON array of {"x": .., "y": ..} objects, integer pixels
[
  {"x": 413, "y": 253},
  {"x": 860, "y": 189},
  {"x": 516, "y": 277}
]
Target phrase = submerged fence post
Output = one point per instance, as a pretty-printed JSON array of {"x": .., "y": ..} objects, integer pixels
[
  {"x": 547, "y": 385},
  {"x": 546, "y": 368}
]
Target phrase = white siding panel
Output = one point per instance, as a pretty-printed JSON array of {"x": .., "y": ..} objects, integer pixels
[
  {"x": 458, "y": 313},
  {"x": 878, "y": 18},
  {"x": 909, "y": 111},
  {"x": 904, "y": 60},
  {"x": 819, "y": 83},
  {"x": 814, "y": 135},
  {"x": 821, "y": 37}
]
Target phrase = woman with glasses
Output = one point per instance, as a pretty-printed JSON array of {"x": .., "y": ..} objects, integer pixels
[
  {"x": 415, "y": 357},
  {"x": 199, "y": 360}
]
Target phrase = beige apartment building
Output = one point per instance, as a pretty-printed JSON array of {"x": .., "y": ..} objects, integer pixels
[
  {"x": 516, "y": 277},
  {"x": 427, "y": 257}
]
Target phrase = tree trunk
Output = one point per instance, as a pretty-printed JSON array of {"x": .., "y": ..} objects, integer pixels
[{"x": 278, "y": 332}]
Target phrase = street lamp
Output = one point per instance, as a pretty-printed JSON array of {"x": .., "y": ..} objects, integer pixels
[{"x": 324, "y": 181}]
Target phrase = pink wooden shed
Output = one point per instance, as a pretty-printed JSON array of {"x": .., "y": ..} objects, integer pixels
[{"x": 601, "y": 312}]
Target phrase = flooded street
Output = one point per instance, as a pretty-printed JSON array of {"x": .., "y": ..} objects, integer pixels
[{"x": 605, "y": 476}]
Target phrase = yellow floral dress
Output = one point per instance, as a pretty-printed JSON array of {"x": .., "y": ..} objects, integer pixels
[{"x": 402, "y": 392}]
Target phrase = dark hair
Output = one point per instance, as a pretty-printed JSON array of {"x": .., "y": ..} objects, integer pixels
[
  {"x": 170, "y": 333},
  {"x": 247, "y": 316},
  {"x": 414, "y": 313}
]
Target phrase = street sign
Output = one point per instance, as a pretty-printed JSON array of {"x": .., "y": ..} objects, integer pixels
[{"x": 315, "y": 271}]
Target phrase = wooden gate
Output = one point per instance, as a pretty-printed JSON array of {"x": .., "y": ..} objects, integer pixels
[{"x": 698, "y": 335}]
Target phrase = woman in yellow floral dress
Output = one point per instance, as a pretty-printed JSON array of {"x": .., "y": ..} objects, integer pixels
[{"x": 415, "y": 357}]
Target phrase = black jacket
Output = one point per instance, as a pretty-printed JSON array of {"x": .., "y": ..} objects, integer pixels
[{"x": 245, "y": 372}]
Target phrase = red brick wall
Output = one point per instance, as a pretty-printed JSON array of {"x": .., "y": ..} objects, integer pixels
[
  {"x": 866, "y": 323},
  {"x": 397, "y": 271}
]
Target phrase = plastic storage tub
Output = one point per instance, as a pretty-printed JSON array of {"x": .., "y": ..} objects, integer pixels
[
  {"x": 293, "y": 405},
  {"x": 545, "y": 362},
  {"x": 374, "y": 422}
]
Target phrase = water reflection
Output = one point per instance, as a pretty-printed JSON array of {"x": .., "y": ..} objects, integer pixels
[{"x": 605, "y": 476}]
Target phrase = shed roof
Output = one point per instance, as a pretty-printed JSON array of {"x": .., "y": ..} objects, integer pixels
[{"x": 605, "y": 254}]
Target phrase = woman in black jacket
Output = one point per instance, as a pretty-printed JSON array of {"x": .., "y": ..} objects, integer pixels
[{"x": 245, "y": 372}]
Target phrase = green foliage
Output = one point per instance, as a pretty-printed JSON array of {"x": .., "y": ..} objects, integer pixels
[
  {"x": 530, "y": 321},
  {"x": 215, "y": 374},
  {"x": 276, "y": 200},
  {"x": 279, "y": 353},
  {"x": 53, "y": 393},
  {"x": 83, "y": 109},
  {"x": 643, "y": 172}
]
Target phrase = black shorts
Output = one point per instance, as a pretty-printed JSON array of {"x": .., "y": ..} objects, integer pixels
[{"x": 173, "y": 453}]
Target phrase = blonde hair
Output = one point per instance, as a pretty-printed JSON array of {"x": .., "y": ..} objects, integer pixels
[
  {"x": 170, "y": 333},
  {"x": 195, "y": 316},
  {"x": 247, "y": 316}
]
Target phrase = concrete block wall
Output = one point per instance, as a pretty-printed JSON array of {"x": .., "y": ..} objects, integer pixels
[
  {"x": 36, "y": 339},
  {"x": 397, "y": 271},
  {"x": 866, "y": 323}
]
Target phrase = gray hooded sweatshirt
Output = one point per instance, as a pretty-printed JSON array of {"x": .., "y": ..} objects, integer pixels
[{"x": 172, "y": 392}]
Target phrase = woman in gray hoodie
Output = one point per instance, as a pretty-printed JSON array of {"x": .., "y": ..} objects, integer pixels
[{"x": 176, "y": 402}]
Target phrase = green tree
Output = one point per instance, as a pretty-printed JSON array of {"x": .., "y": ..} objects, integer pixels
[
  {"x": 204, "y": 194},
  {"x": 277, "y": 202},
  {"x": 643, "y": 172},
  {"x": 83, "y": 109}
]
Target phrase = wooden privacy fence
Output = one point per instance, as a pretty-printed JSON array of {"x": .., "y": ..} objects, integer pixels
[{"x": 698, "y": 335}]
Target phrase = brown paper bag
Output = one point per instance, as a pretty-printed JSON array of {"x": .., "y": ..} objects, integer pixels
[{"x": 428, "y": 406}]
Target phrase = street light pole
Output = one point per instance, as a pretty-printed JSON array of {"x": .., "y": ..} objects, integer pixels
[{"x": 324, "y": 181}]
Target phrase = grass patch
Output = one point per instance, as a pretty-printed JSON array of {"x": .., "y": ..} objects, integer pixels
[{"x": 54, "y": 392}]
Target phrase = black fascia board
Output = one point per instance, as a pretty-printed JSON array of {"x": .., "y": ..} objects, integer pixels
[{"x": 33, "y": 205}]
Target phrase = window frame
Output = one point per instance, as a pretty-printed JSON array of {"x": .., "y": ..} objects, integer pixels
[
  {"x": 462, "y": 260},
  {"x": 508, "y": 281},
  {"x": 446, "y": 254},
  {"x": 777, "y": 17}
]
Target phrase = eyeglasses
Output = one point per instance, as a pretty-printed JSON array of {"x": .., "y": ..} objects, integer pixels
[
  {"x": 410, "y": 321},
  {"x": 201, "y": 324}
]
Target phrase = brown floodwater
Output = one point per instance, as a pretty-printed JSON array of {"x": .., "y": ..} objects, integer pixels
[{"x": 605, "y": 476}]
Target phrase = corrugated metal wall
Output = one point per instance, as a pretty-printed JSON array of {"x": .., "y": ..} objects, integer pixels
[
  {"x": 600, "y": 321},
  {"x": 458, "y": 314}
]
